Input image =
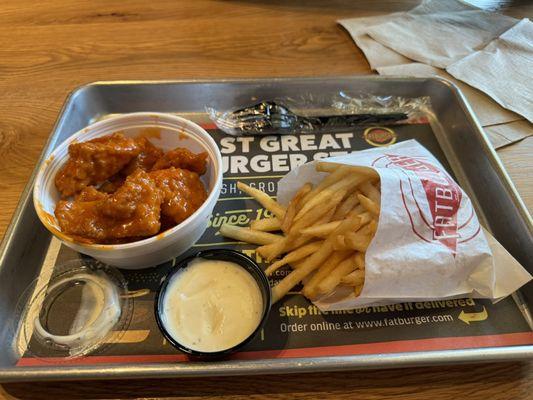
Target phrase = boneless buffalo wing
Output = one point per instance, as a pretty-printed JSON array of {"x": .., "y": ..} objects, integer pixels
[
  {"x": 133, "y": 210},
  {"x": 117, "y": 189},
  {"x": 145, "y": 160},
  {"x": 94, "y": 161},
  {"x": 183, "y": 192},
  {"x": 147, "y": 157},
  {"x": 182, "y": 158}
]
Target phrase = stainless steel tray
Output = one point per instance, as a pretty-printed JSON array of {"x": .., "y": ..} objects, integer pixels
[{"x": 465, "y": 147}]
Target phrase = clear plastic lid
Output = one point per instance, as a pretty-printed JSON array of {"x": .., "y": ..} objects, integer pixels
[{"x": 81, "y": 308}]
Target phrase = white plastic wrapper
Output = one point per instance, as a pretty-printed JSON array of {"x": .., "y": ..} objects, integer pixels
[{"x": 429, "y": 243}]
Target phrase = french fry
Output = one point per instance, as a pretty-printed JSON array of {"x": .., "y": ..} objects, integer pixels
[
  {"x": 323, "y": 166},
  {"x": 340, "y": 243},
  {"x": 322, "y": 197},
  {"x": 296, "y": 239},
  {"x": 312, "y": 216},
  {"x": 354, "y": 278},
  {"x": 248, "y": 235},
  {"x": 359, "y": 240},
  {"x": 264, "y": 199},
  {"x": 292, "y": 208},
  {"x": 370, "y": 191},
  {"x": 294, "y": 264},
  {"x": 322, "y": 230},
  {"x": 359, "y": 209},
  {"x": 365, "y": 216},
  {"x": 312, "y": 262},
  {"x": 291, "y": 280},
  {"x": 293, "y": 256},
  {"x": 289, "y": 242},
  {"x": 325, "y": 195},
  {"x": 266, "y": 224},
  {"x": 297, "y": 264},
  {"x": 345, "y": 207},
  {"x": 272, "y": 250},
  {"x": 328, "y": 166},
  {"x": 336, "y": 175},
  {"x": 325, "y": 218},
  {"x": 309, "y": 289},
  {"x": 370, "y": 173},
  {"x": 360, "y": 260},
  {"x": 298, "y": 242},
  {"x": 369, "y": 205},
  {"x": 329, "y": 283}
]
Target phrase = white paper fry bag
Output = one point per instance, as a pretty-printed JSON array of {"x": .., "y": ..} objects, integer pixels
[{"x": 428, "y": 244}]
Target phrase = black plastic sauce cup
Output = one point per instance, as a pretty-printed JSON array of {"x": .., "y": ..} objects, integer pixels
[{"x": 223, "y": 255}]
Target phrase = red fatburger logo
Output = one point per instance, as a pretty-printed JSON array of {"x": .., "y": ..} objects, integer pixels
[
  {"x": 443, "y": 197},
  {"x": 379, "y": 136}
]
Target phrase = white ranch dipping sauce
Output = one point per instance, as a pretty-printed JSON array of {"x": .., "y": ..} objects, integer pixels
[{"x": 211, "y": 305}]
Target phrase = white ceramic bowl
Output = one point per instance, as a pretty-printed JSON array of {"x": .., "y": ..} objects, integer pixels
[{"x": 164, "y": 131}]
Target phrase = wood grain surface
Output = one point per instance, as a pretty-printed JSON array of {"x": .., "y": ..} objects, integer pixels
[{"x": 47, "y": 48}]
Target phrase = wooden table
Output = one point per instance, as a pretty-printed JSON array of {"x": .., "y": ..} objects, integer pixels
[{"x": 49, "y": 48}]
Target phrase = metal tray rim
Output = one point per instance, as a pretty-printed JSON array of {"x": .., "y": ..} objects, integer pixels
[{"x": 268, "y": 366}]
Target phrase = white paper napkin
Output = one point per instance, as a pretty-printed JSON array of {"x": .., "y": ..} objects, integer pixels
[
  {"x": 503, "y": 69},
  {"x": 506, "y": 134},
  {"x": 487, "y": 110},
  {"x": 439, "y": 32},
  {"x": 377, "y": 54}
]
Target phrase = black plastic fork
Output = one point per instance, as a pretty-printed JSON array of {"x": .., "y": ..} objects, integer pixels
[{"x": 269, "y": 117}]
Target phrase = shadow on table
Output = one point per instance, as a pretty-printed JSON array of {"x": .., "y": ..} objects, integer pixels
[{"x": 429, "y": 382}]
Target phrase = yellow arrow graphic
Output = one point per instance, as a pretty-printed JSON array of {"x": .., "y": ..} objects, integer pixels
[{"x": 471, "y": 317}]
